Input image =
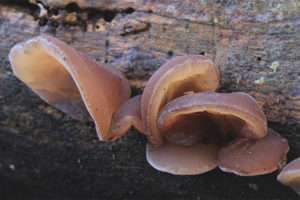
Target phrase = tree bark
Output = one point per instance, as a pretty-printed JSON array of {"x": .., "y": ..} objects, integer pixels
[{"x": 44, "y": 153}]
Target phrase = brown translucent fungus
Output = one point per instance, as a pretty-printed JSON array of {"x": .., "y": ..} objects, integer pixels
[
  {"x": 129, "y": 114},
  {"x": 234, "y": 114},
  {"x": 70, "y": 81},
  {"x": 290, "y": 175},
  {"x": 179, "y": 105},
  {"x": 180, "y": 160},
  {"x": 250, "y": 158},
  {"x": 189, "y": 130},
  {"x": 195, "y": 119},
  {"x": 177, "y": 77}
]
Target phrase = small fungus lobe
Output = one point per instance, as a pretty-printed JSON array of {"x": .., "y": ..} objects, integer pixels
[{"x": 290, "y": 175}]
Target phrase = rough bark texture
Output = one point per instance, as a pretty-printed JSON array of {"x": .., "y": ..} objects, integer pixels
[{"x": 44, "y": 153}]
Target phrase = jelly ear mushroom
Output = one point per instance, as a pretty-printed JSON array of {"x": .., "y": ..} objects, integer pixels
[
  {"x": 181, "y": 75},
  {"x": 188, "y": 121},
  {"x": 246, "y": 157},
  {"x": 70, "y": 81},
  {"x": 129, "y": 114},
  {"x": 290, "y": 175},
  {"x": 235, "y": 113},
  {"x": 180, "y": 160}
]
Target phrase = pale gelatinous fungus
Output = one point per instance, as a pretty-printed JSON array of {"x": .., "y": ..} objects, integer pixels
[
  {"x": 290, "y": 175},
  {"x": 184, "y": 118},
  {"x": 188, "y": 131},
  {"x": 181, "y": 160},
  {"x": 246, "y": 157},
  {"x": 182, "y": 74},
  {"x": 129, "y": 114},
  {"x": 237, "y": 114},
  {"x": 70, "y": 81}
]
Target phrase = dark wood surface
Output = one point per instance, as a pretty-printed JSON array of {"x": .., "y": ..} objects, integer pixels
[{"x": 46, "y": 154}]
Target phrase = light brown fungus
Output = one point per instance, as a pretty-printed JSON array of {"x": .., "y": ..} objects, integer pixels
[
  {"x": 189, "y": 127},
  {"x": 180, "y": 75},
  {"x": 246, "y": 157},
  {"x": 70, "y": 81},
  {"x": 129, "y": 114},
  {"x": 290, "y": 175},
  {"x": 180, "y": 160},
  {"x": 182, "y": 123},
  {"x": 236, "y": 114}
]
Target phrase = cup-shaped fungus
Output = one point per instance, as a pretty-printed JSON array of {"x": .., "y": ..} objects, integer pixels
[
  {"x": 175, "y": 78},
  {"x": 196, "y": 126},
  {"x": 246, "y": 157},
  {"x": 181, "y": 160},
  {"x": 234, "y": 114},
  {"x": 290, "y": 175},
  {"x": 70, "y": 81}
]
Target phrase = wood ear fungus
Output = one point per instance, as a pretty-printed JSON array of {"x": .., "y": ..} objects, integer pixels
[
  {"x": 290, "y": 175},
  {"x": 188, "y": 124},
  {"x": 246, "y": 157},
  {"x": 180, "y": 160},
  {"x": 70, "y": 81},
  {"x": 180, "y": 75},
  {"x": 129, "y": 114},
  {"x": 242, "y": 115}
]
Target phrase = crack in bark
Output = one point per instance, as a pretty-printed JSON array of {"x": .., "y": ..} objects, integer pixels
[
  {"x": 132, "y": 29},
  {"x": 107, "y": 48}
]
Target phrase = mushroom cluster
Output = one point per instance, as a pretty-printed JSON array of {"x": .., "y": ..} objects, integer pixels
[{"x": 191, "y": 129}]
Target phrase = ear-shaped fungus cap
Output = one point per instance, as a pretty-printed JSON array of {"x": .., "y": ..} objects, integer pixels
[
  {"x": 250, "y": 158},
  {"x": 70, "y": 81},
  {"x": 180, "y": 160},
  {"x": 290, "y": 175},
  {"x": 242, "y": 115},
  {"x": 179, "y": 75},
  {"x": 237, "y": 114}
]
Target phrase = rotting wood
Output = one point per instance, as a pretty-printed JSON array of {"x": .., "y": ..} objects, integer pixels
[{"x": 243, "y": 39}]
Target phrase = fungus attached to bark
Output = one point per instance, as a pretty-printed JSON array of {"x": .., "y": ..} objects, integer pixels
[
  {"x": 129, "y": 114},
  {"x": 246, "y": 157},
  {"x": 187, "y": 124},
  {"x": 290, "y": 175},
  {"x": 195, "y": 119},
  {"x": 70, "y": 81},
  {"x": 186, "y": 129},
  {"x": 181, "y": 160},
  {"x": 180, "y": 75},
  {"x": 234, "y": 114}
]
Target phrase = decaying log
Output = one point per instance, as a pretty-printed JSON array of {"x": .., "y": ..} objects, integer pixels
[{"x": 44, "y": 153}]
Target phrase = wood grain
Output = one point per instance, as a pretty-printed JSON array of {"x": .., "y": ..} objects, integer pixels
[{"x": 243, "y": 39}]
